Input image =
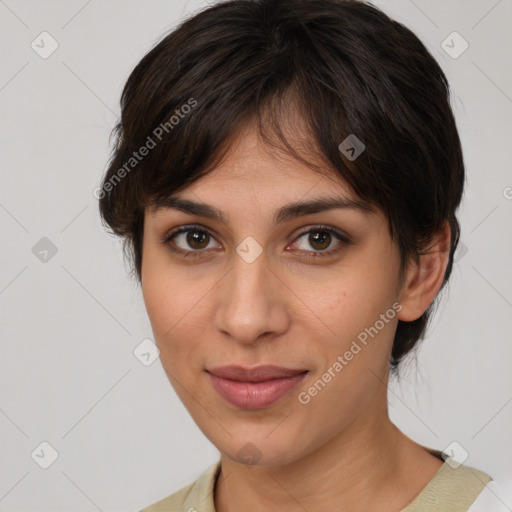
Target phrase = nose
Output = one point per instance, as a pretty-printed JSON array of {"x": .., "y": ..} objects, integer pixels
[{"x": 252, "y": 301}]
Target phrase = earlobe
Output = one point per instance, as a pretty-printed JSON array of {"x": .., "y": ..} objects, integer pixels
[{"x": 424, "y": 278}]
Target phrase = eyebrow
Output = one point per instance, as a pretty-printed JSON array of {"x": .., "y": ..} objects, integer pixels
[{"x": 283, "y": 214}]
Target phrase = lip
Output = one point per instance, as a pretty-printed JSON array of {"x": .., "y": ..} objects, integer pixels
[{"x": 254, "y": 388}]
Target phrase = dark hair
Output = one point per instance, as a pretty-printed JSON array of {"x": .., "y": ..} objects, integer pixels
[{"x": 343, "y": 65}]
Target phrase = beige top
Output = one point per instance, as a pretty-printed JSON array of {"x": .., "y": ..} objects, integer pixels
[{"x": 453, "y": 488}]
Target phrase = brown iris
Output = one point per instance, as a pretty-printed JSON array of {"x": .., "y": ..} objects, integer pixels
[
  {"x": 319, "y": 237},
  {"x": 197, "y": 237}
]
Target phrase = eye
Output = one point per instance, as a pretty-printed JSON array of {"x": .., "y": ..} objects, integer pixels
[
  {"x": 320, "y": 238},
  {"x": 198, "y": 239},
  {"x": 189, "y": 237}
]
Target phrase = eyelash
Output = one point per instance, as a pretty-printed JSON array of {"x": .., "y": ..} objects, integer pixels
[{"x": 312, "y": 254}]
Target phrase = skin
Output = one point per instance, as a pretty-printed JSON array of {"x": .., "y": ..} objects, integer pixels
[{"x": 287, "y": 310}]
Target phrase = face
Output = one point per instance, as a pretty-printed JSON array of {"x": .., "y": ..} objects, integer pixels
[{"x": 315, "y": 292}]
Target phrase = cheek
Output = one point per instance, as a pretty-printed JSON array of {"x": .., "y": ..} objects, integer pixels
[
  {"x": 351, "y": 305},
  {"x": 354, "y": 298},
  {"x": 157, "y": 298},
  {"x": 177, "y": 316},
  {"x": 160, "y": 299},
  {"x": 162, "y": 290}
]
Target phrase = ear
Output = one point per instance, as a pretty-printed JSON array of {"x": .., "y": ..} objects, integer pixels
[{"x": 424, "y": 278}]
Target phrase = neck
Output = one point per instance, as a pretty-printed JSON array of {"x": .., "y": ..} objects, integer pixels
[{"x": 369, "y": 465}]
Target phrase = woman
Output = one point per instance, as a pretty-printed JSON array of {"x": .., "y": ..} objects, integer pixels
[{"x": 286, "y": 179}]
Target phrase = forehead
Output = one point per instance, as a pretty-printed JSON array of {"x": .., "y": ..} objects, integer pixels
[
  {"x": 286, "y": 190},
  {"x": 255, "y": 177},
  {"x": 252, "y": 165}
]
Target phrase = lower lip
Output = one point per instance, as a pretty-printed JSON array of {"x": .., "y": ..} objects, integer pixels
[{"x": 254, "y": 395}]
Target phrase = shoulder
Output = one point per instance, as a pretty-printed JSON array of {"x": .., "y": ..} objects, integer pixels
[
  {"x": 195, "y": 497},
  {"x": 454, "y": 487}
]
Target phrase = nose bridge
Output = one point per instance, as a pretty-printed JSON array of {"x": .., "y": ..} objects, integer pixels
[
  {"x": 249, "y": 280},
  {"x": 249, "y": 305},
  {"x": 249, "y": 270},
  {"x": 249, "y": 266}
]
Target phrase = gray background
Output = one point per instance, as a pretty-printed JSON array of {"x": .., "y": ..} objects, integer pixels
[{"x": 69, "y": 325}]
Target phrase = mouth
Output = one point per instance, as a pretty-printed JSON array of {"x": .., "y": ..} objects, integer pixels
[
  {"x": 257, "y": 374},
  {"x": 254, "y": 388}
]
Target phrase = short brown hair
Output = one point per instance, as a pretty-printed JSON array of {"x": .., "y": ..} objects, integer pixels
[{"x": 344, "y": 65}]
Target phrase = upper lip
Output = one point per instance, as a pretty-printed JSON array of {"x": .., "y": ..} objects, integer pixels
[{"x": 257, "y": 374}]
